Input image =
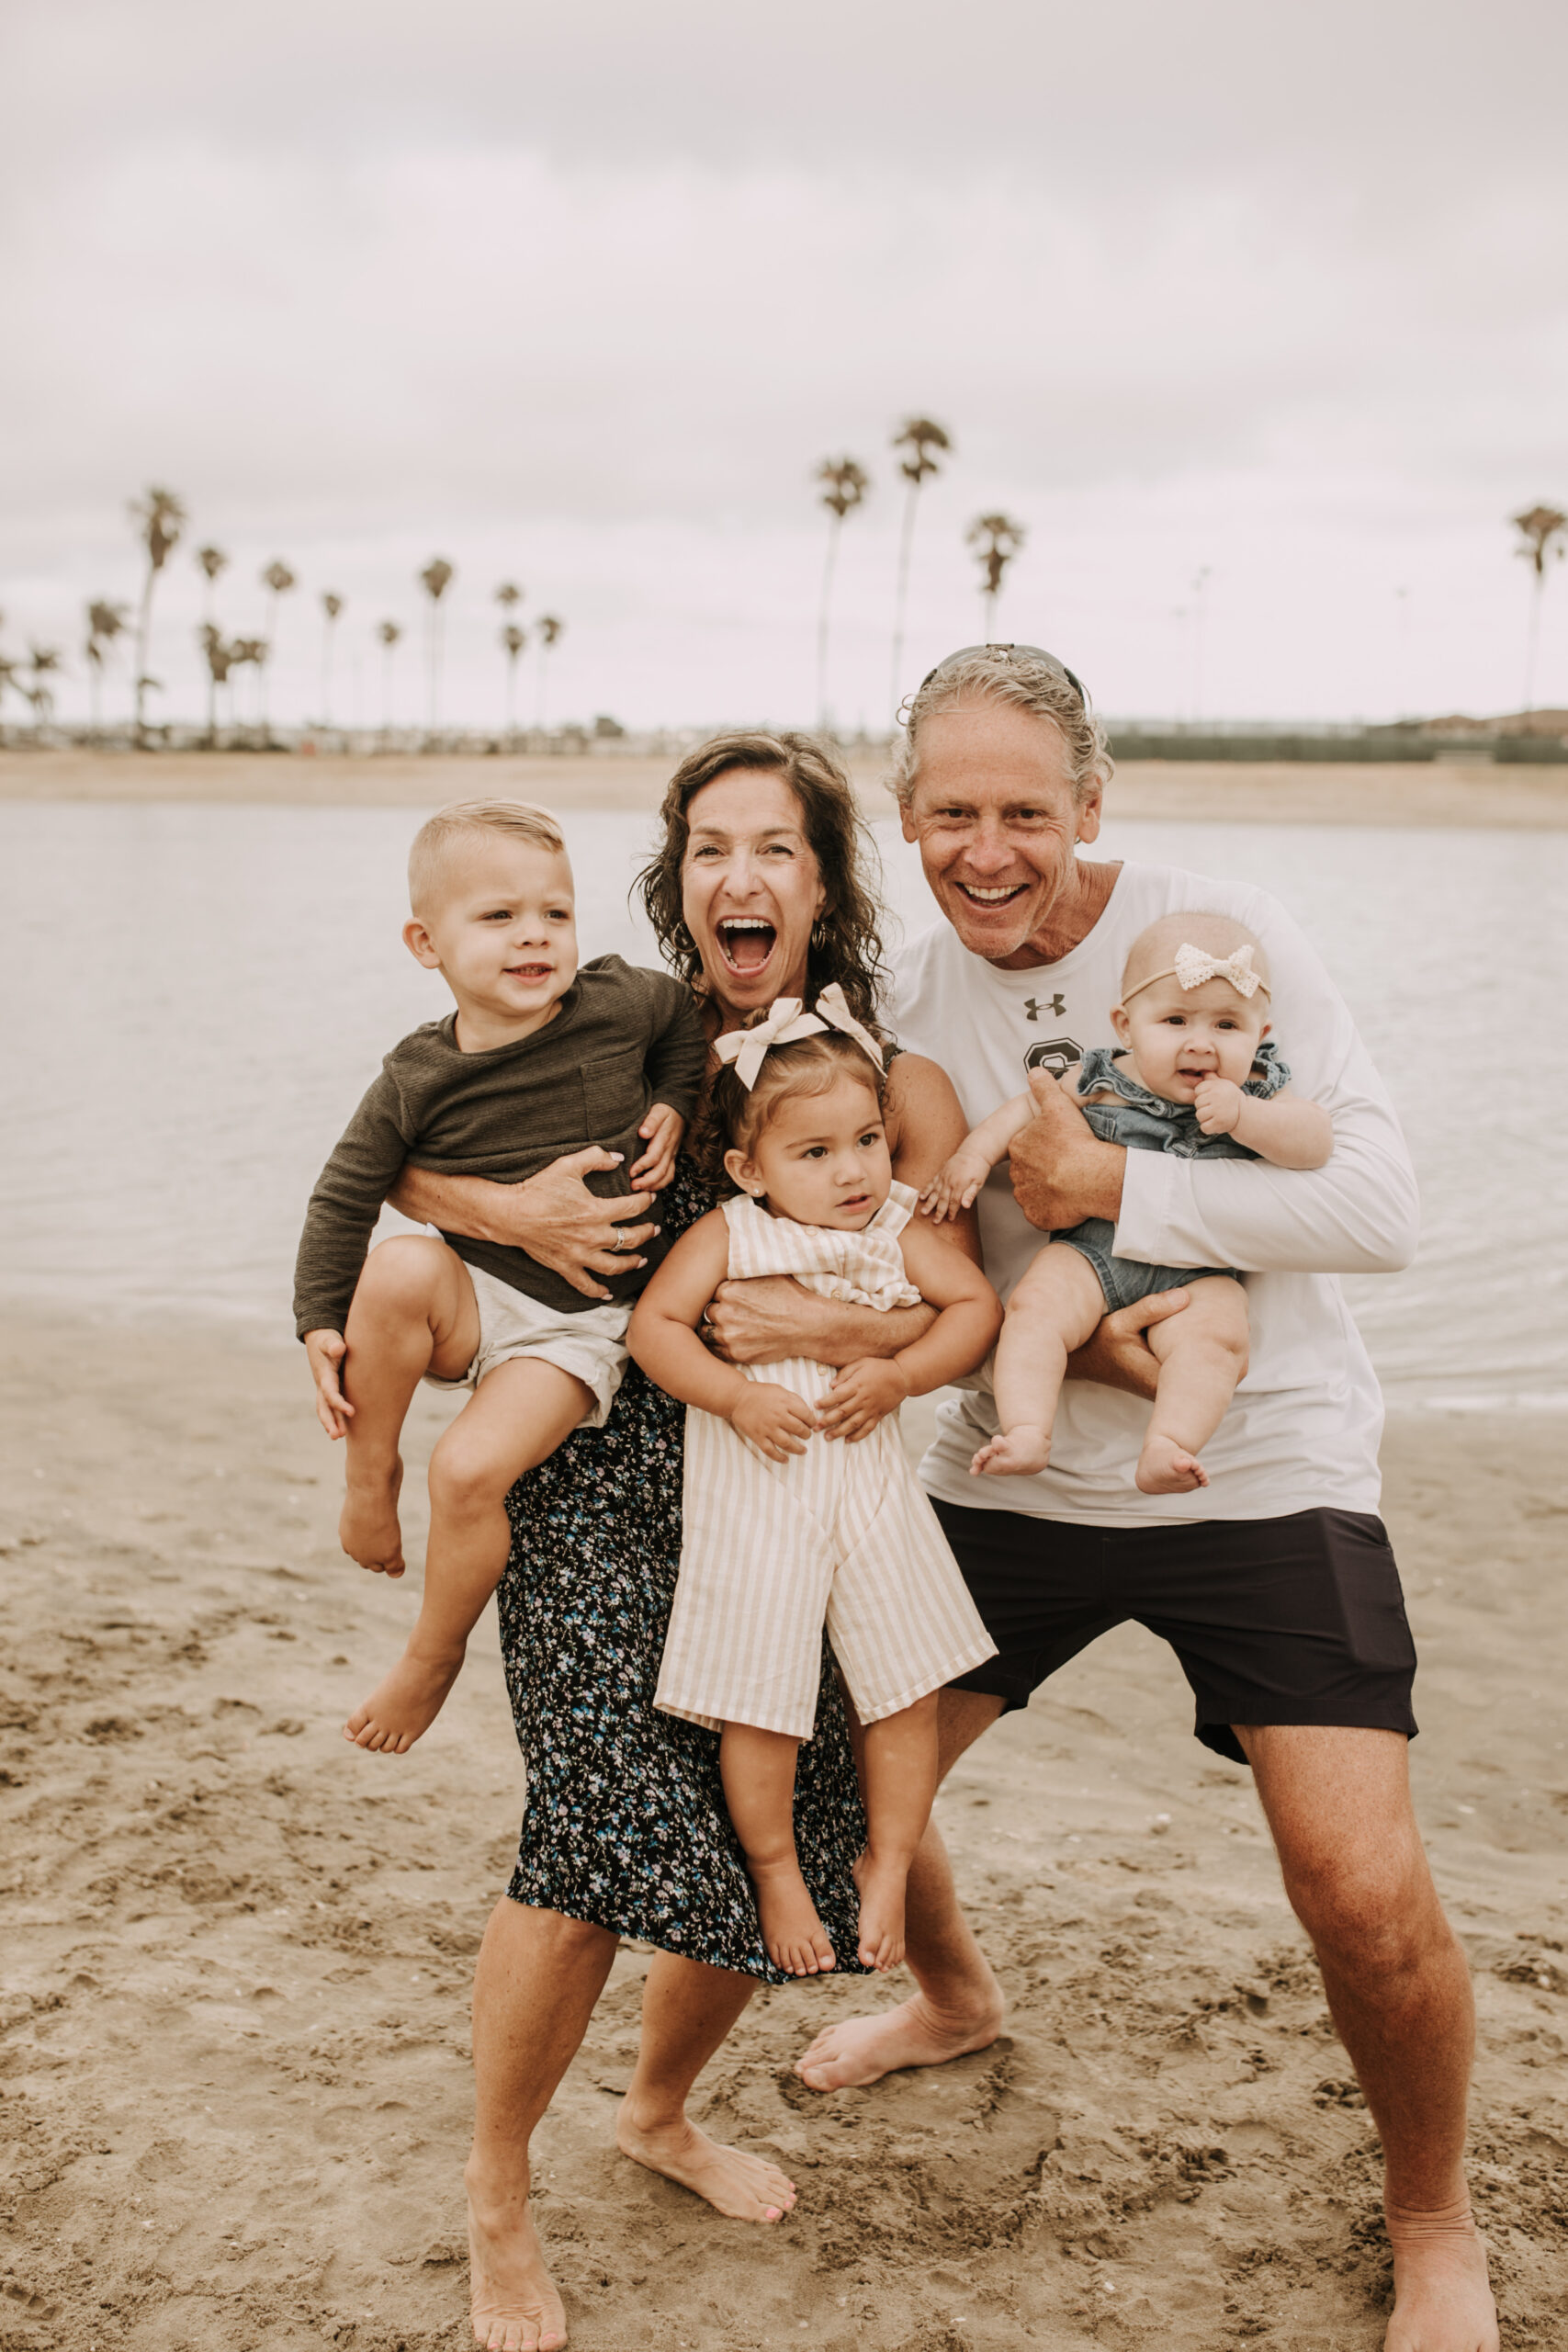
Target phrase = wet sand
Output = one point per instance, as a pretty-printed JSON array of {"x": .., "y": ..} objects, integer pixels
[
  {"x": 236, "y": 2089},
  {"x": 1235, "y": 792}
]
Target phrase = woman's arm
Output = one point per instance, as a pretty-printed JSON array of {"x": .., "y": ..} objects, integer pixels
[
  {"x": 553, "y": 1215},
  {"x": 969, "y": 1316}
]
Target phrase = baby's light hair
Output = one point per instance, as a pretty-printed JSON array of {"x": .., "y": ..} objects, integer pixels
[
  {"x": 519, "y": 820},
  {"x": 737, "y": 1116},
  {"x": 1152, "y": 952}
]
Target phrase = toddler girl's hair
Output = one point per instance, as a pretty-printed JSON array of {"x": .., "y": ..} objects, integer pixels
[
  {"x": 736, "y": 1115},
  {"x": 520, "y": 820}
]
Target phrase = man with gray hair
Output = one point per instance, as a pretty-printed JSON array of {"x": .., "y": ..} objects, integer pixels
[{"x": 1274, "y": 1584}]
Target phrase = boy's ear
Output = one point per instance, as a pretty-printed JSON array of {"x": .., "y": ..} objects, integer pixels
[
  {"x": 740, "y": 1169},
  {"x": 420, "y": 944},
  {"x": 1120, "y": 1022}
]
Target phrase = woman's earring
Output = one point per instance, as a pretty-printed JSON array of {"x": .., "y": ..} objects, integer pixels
[{"x": 819, "y": 935}]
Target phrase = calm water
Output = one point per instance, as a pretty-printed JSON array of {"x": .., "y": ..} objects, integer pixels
[{"x": 196, "y": 998}]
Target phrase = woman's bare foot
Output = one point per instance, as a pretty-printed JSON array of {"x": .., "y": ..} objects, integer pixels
[
  {"x": 881, "y": 1888},
  {"x": 514, "y": 2301},
  {"x": 796, "y": 1938},
  {"x": 744, "y": 2188},
  {"x": 861, "y": 2050},
  {"x": 1166, "y": 1468},
  {"x": 368, "y": 1528},
  {"x": 1442, "y": 2298},
  {"x": 1013, "y": 1453},
  {"x": 403, "y": 1704}
]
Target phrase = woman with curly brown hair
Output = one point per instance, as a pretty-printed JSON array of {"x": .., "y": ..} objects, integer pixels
[{"x": 759, "y": 889}]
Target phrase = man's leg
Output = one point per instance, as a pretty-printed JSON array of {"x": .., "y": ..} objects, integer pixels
[
  {"x": 1337, "y": 1802},
  {"x": 959, "y": 2005}
]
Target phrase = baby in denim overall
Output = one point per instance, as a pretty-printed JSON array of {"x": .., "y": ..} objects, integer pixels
[{"x": 1193, "y": 1075}]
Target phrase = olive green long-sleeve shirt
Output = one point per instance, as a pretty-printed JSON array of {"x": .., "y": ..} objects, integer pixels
[{"x": 622, "y": 1040}]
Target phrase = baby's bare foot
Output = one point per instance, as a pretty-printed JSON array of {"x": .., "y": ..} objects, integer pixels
[
  {"x": 368, "y": 1529},
  {"x": 1166, "y": 1468},
  {"x": 404, "y": 1704},
  {"x": 795, "y": 1936},
  {"x": 881, "y": 1911},
  {"x": 1013, "y": 1453}
]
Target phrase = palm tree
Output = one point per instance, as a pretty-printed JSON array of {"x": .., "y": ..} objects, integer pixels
[
  {"x": 508, "y": 597},
  {"x": 277, "y": 580},
  {"x": 105, "y": 623},
  {"x": 331, "y": 605},
  {"x": 996, "y": 539},
  {"x": 435, "y": 579},
  {"x": 1542, "y": 528},
  {"x": 251, "y": 652},
  {"x": 389, "y": 632},
  {"x": 844, "y": 488},
  {"x": 513, "y": 641},
  {"x": 921, "y": 440},
  {"x": 160, "y": 518},
  {"x": 549, "y": 628},
  {"x": 221, "y": 657},
  {"x": 43, "y": 661},
  {"x": 210, "y": 562}
]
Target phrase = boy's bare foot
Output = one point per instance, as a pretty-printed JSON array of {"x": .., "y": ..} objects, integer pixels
[
  {"x": 1166, "y": 1468},
  {"x": 403, "y": 1704},
  {"x": 861, "y": 2050},
  {"x": 1442, "y": 2299},
  {"x": 368, "y": 1529},
  {"x": 795, "y": 1936},
  {"x": 1013, "y": 1453},
  {"x": 881, "y": 1888},
  {"x": 743, "y": 2188},
  {"x": 514, "y": 2303}
]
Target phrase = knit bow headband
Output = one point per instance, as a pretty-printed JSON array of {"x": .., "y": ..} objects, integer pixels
[{"x": 1193, "y": 966}]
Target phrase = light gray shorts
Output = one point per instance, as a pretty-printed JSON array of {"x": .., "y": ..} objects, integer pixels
[{"x": 591, "y": 1346}]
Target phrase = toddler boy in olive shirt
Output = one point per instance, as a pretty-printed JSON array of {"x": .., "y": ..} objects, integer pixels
[{"x": 542, "y": 1057}]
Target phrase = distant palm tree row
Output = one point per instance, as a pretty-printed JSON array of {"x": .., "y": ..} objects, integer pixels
[
  {"x": 160, "y": 519},
  {"x": 920, "y": 446}
]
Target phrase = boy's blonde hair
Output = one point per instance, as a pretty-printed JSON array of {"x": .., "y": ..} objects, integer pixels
[{"x": 521, "y": 819}]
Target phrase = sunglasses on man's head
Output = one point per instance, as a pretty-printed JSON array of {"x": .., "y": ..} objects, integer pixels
[{"x": 1027, "y": 652}]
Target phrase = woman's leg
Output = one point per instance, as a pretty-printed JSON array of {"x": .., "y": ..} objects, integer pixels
[
  {"x": 758, "y": 1768},
  {"x": 1198, "y": 1368},
  {"x": 1053, "y": 1310},
  {"x": 538, "y": 1977},
  {"x": 687, "y": 2010}
]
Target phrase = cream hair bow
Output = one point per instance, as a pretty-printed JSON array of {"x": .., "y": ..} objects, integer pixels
[
  {"x": 786, "y": 1021},
  {"x": 1193, "y": 966}
]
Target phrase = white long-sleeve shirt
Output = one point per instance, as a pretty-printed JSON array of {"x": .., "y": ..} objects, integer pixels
[{"x": 1303, "y": 1428}]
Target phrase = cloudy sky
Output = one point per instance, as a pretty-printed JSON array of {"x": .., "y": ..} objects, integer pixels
[{"x": 580, "y": 297}]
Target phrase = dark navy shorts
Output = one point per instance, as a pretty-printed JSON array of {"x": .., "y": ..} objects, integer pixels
[{"x": 1298, "y": 1620}]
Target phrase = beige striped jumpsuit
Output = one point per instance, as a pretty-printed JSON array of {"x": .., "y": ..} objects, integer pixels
[{"x": 842, "y": 1535}]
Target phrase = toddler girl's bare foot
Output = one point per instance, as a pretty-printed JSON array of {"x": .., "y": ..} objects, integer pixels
[
  {"x": 881, "y": 1912},
  {"x": 1012, "y": 1453},
  {"x": 1166, "y": 1468},
  {"x": 368, "y": 1529},
  {"x": 404, "y": 1705},
  {"x": 795, "y": 1936}
]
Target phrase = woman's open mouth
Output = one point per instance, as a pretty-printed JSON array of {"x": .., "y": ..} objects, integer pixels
[{"x": 746, "y": 942}]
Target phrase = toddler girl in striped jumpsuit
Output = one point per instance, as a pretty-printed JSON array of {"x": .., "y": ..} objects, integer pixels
[{"x": 784, "y": 1529}]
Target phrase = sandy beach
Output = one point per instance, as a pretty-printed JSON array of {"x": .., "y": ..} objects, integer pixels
[
  {"x": 1237, "y": 792},
  {"x": 236, "y": 2087}
]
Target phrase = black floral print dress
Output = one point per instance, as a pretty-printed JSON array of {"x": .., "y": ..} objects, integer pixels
[{"x": 624, "y": 1821}]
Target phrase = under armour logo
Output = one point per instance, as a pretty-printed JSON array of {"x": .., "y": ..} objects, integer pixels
[{"x": 1056, "y": 1007}]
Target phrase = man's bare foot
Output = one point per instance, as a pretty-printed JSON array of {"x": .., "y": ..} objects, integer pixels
[
  {"x": 744, "y": 2188},
  {"x": 861, "y": 2050},
  {"x": 368, "y": 1528},
  {"x": 514, "y": 2301},
  {"x": 1442, "y": 2299},
  {"x": 881, "y": 1888},
  {"x": 403, "y": 1704},
  {"x": 1013, "y": 1453},
  {"x": 1166, "y": 1468},
  {"x": 796, "y": 1938}
]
